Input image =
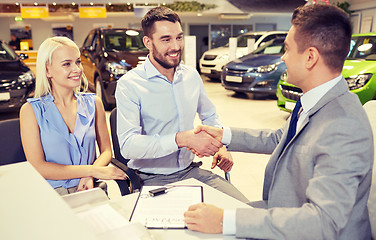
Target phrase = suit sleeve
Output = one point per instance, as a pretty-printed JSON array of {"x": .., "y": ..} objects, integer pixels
[{"x": 254, "y": 141}]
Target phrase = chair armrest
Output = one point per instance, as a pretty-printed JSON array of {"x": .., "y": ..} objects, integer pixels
[{"x": 132, "y": 176}]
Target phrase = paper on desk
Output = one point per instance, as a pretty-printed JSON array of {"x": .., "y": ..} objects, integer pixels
[
  {"x": 107, "y": 223},
  {"x": 166, "y": 210}
]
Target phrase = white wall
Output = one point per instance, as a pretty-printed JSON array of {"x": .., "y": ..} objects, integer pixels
[{"x": 364, "y": 11}]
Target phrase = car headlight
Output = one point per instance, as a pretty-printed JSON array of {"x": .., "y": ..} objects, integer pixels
[
  {"x": 224, "y": 57},
  {"x": 358, "y": 81},
  {"x": 266, "y": 68},
  {"x": 26, "y": 77},
  {"x": 116, "y": 68}
]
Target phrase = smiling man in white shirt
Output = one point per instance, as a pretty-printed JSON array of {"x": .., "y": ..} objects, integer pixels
[{"x": 157, "y": 103}]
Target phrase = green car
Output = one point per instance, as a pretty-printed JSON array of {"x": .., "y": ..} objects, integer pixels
[{"x": 359, "y": 71}]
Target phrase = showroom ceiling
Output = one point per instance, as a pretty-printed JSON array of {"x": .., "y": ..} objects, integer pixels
[{"x": 267, "y": 5}]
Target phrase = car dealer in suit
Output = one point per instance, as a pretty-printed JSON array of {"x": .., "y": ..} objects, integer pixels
[{"x": 317, "y": 183}]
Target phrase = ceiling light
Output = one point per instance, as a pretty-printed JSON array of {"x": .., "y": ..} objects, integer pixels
[
  {"x": 91, "y": 3},
  {"x": 54, "y": 3},
  {"x": 110, "y": 3},
  {"x": 73, "y": 3},
  {"x": 17, "y": 3},
  {"x": 36, "y": 4}
]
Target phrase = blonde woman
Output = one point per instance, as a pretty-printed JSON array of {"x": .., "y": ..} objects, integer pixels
[{"x": 60, "y": 126}]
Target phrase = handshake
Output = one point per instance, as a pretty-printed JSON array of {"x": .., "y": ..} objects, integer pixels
[{"x": 204, "y": 141}]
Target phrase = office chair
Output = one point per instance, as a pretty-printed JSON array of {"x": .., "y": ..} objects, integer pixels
[
  {"x": 370, "y": 108},
  {"x": 11, "y": 150},
  {"x": 133, "y": 183}
]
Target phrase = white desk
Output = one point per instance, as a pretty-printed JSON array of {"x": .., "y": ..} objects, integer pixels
[
  {"x": 31, "y": 209},
  {"x": 125, "y": 205}
]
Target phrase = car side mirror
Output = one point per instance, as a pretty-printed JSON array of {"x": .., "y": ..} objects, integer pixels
[{"x": 23, "y": 56}]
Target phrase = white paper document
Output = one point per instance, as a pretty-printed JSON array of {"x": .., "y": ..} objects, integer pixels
[
  {"x": 165, "y": 210},
  {"x": 107, "y": 223}
]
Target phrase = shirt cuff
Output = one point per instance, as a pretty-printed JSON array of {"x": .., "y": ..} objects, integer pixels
[
  {"x": 229, "y": 222},
  {"x": 168, "y": 143},
  {"x": 227, "y": 135}
]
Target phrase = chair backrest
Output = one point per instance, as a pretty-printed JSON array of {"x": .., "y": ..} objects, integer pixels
[
  {"x": 121, "y": 162},
  {"x": 114, "y": 137},
  {"x": 11, "y": 150},
  {"x": 370, "y": 108}
]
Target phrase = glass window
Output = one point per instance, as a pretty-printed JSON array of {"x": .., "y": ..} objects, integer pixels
[
  {"x": 273, "y": 47},
  {"x": 363, "y": 48},
  {"x": 89, "y": 40},
  {"x": 241, "y": 29},
  {"x": 220, "y": 35},
  {"x": 123, "y": 40},
  {"x": 243, "y": 40},
  {"x": 6, "y": 53}
]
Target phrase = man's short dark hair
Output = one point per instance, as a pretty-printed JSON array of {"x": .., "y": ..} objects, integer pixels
[
  {"x": 157, "y": 14},
  {"x": 326, "y": 28}
]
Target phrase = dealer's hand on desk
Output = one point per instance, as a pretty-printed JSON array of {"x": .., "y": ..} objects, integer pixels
[
  {"x": 201, "y": 143},
  {"x": 223, "y": 159},
  {"x": 204, "y": 218}
]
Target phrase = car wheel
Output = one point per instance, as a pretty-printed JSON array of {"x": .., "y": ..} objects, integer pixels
[{"x": 99, "y": 92}]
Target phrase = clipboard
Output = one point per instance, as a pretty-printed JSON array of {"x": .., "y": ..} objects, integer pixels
[{"x": 165, "y": 211}]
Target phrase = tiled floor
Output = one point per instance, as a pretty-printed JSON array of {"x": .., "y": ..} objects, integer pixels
[{"x": 240, "y": 111}]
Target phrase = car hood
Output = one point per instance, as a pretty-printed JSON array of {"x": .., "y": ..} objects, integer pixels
[
  {"x": 355, "y": 67},
  {"x": 13, "y": 67},
  {"x": 254, "y": 60},
  {"x": 128, "y": 58}
]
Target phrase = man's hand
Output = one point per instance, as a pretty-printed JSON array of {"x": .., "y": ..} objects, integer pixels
[
  {"x": 216, "y": 133},
  {"x": 204, "y": 218},
  {"x": 223, "y": 160},
  {"x": 202, "y": 144}
]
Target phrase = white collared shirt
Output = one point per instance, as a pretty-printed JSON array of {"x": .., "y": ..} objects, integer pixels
[{"x": 312, "y": 97}]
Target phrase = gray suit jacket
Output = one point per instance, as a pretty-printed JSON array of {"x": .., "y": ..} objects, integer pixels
[{"x": 318, "y": 186}]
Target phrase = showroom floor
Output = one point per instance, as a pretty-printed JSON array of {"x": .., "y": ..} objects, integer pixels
[{"x": 240, "y": 111}]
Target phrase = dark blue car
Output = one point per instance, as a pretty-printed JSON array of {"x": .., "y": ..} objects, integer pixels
[{"x": 257, "y": 72}]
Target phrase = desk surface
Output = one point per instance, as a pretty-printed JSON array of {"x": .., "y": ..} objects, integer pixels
[
  {"x": 125, "y": 205},
  {"x": 31, "y": 209}
]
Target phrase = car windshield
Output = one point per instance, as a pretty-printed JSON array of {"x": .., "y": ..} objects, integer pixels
[
  {"x": 363, "y": 47},
  {"x": 242, "y": 40},
  {"x": 127, "y": 40},
  {"x": 6, "y": 53},
  {"x": 273, "y": 47}
]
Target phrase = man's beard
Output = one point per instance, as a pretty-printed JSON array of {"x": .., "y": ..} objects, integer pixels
[{"x": 158, "y": 57}]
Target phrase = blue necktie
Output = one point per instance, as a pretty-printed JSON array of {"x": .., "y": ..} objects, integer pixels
[{"x": 293, "y": 122}]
